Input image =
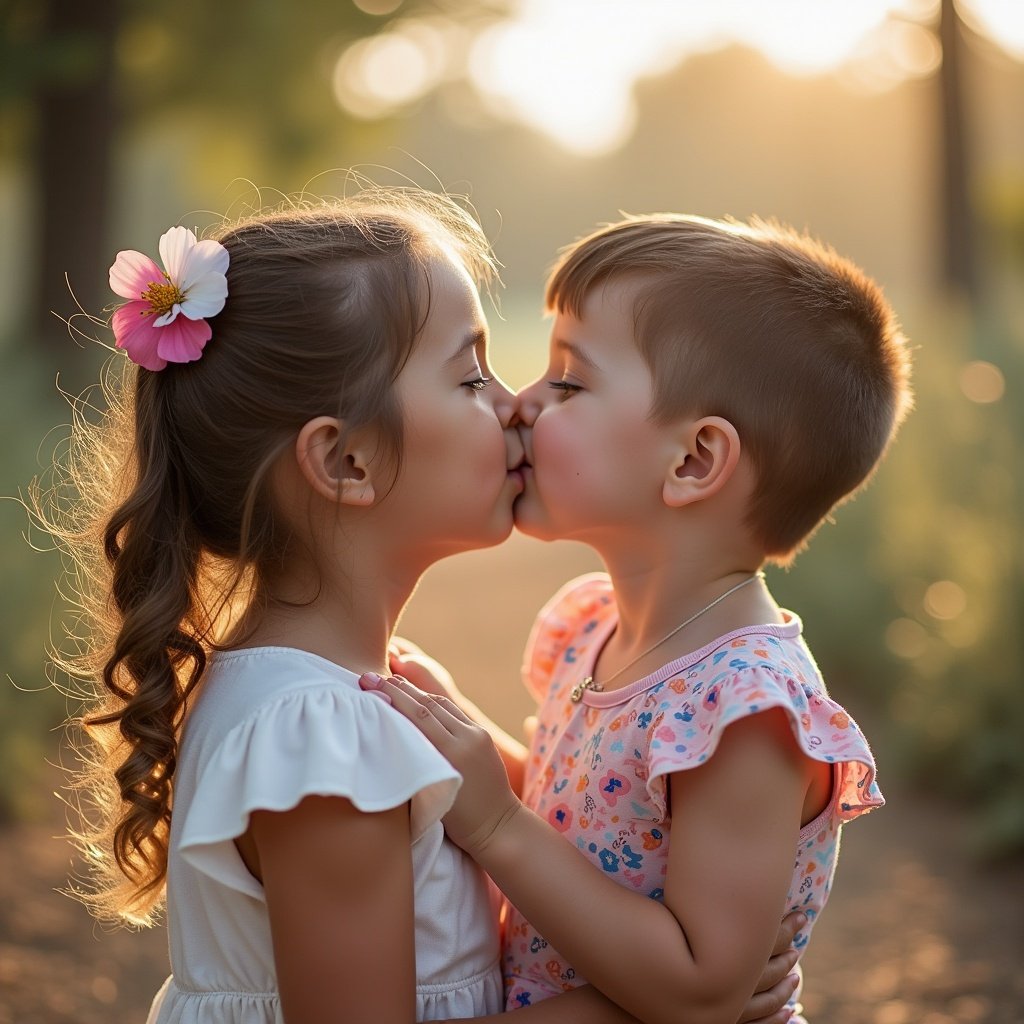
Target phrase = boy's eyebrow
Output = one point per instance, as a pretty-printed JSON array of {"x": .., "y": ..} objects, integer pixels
[
  {"x": 472, "y": 340},
  {"x": 576, "y": 352}
]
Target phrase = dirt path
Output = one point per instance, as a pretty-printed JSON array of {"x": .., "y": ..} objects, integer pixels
[{"x": 915, "y": 934}]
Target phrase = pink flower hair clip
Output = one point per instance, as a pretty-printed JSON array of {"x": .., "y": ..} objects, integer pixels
[{"x": 165, "y": 319}]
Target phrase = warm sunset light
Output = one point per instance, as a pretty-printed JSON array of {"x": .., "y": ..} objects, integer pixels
[
  {"x": 581, "y": 96},
  {"x": 1002, "y": 20}
]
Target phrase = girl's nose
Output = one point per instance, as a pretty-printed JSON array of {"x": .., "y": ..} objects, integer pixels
[
  {"x": 531, "y": 401},
  {"x": 506, "y": 403}
]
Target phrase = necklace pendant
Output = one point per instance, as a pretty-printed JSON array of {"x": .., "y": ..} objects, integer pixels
[{"x": 576, "y": 695}]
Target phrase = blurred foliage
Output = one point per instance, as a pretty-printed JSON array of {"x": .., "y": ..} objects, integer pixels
[
  {"x": 30, "y": 709},
  {"x": 922, "y": 583}
]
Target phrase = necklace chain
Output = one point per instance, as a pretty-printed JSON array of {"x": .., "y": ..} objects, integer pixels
[{"x": 588, "y": 684}]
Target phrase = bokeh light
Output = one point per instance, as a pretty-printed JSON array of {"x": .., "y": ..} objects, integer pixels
[
  {"x": 378, "y": 7},
  {"x": 982, "y": 382},
  {"x": 380, "y": 74},
  {"x": 907, "y": 638},
  {"x": 945, "y": 600}
]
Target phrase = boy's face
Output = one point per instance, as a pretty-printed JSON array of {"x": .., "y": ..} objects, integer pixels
[{"x": 597, "y": 460}]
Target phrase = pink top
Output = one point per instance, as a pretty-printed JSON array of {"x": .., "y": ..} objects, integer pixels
[{"x": 597, "y": 768}]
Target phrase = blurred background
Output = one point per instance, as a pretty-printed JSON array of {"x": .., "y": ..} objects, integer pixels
[{"x": 894, "y": 129}]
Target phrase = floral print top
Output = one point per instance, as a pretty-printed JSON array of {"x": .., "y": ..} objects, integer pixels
[{"x": 597, "y": 769}]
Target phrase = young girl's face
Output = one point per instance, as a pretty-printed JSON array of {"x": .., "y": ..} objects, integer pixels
[
  {"x": 460, "y": 457},
  {"x": 596, "y": 460}
]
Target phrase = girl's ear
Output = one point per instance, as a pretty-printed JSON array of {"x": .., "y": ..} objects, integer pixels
[
  {"x": 335, "y": 464},
  {"x": 706, "y": 460}
]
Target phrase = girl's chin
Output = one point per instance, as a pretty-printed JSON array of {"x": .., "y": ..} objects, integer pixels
[{"x": 526, "y": 523}]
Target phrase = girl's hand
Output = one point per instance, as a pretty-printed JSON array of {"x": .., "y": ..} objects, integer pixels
[{"x": 485, "y": 800}]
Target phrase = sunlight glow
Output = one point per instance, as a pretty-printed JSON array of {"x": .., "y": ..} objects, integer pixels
[
  {"x": 999, "y": 19},
  {"x": 569, "y": 68}
]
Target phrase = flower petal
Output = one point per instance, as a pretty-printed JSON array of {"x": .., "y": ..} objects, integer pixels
[
  {"x": 205, "y": 297},
  {"x": 131, "y": 274},
  {"x": 175, "y": 246},
  {"x": 183, "y": 340},
  {"x": 169, "y": 317},
  {"x": 136, "y": 334},
  {"x": 205, "y": 257}
]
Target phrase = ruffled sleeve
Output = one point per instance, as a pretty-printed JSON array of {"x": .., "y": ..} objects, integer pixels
[
  {"x": 579, "y": 603},
  {"x": 327, "y": 741},
  {"x": 691, "y": 727}
]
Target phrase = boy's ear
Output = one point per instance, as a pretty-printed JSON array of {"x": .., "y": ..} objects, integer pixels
[
  {"x": 707, "y": 457},
  {"x": 335, "y": 464}
]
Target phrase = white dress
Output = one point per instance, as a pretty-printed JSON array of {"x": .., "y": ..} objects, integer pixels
[{"x": 272, "y": 725}]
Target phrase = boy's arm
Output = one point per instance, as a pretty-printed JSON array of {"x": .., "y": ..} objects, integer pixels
[
  {"x": 425, "y": 672},
  {"x": 695, "y": 957}
]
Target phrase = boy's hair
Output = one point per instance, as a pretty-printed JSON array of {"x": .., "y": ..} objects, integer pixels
[
  {"x": 171, "y": 523},
  {"x": 771, "y": 330}
]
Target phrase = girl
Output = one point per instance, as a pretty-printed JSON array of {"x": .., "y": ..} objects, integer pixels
[
  {"x": 255, "y": 509},
  {"x": 679, "y": 432}
]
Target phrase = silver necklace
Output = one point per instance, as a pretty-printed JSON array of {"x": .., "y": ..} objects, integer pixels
[{"x": 588, "y": 684}]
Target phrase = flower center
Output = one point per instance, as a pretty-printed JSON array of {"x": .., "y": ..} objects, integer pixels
[{"x": 161, "y": 296}]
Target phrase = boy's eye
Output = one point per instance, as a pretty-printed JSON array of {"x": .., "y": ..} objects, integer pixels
[
  {"x": 565, "y": 387},
  {"x": 478, "y": 383}
]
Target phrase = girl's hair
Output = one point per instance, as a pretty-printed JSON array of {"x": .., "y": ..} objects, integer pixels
[
  {"x": 171, "y": 530},
  {"x": 769, "y": 329}
]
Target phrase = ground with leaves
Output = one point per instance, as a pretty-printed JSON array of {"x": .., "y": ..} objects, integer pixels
[{"x": 917, "y": 933}]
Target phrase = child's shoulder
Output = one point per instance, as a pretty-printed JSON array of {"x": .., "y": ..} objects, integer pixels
[
  {"x": 249, "y": 678},
  {"x": 273, "y": 692},
  {"x": 590, "y": 594},
  {"x": 772, "y": 646},
  {"x": 578, "y": 607}
]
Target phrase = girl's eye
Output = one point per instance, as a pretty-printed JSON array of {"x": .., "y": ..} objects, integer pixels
[
  {"x": 478, "y": 383},
  {"x": 565, "y": 387}
]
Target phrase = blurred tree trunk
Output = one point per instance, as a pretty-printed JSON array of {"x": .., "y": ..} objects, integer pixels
[
  {"x": 73, "y": 166},
  {"x": 959, "y": 267}
]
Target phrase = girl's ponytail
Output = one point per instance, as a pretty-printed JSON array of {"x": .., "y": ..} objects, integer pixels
[
  {"x": 154, "y": 554},
  {"x": 142, "y": 595}
]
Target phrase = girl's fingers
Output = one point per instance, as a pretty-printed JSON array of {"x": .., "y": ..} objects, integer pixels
[{"x": 453, "y": 709}]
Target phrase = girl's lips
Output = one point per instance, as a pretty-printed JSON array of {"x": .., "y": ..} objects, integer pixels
[{"x": 518, "y": 471}]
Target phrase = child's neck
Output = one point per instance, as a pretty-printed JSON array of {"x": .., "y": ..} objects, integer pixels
[
  {"x": 347, "y": 618},
  {"x": 655, "y": 596}
]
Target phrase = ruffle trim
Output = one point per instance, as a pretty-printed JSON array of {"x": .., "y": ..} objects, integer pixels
[
  {"x": 326, "y": 740},
  {"x": 688, "y": 734}
]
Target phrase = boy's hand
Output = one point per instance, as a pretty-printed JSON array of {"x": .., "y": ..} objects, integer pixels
[
  {"x": 485, "y": 800},
  {"x": 413, "y": 663},
  {"x": 778, "y": 981}
]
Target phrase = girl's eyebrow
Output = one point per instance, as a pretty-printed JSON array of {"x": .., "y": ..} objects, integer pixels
[
  {"x": 576, "y": 352},
  {"x": 472, "y": 340}
]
